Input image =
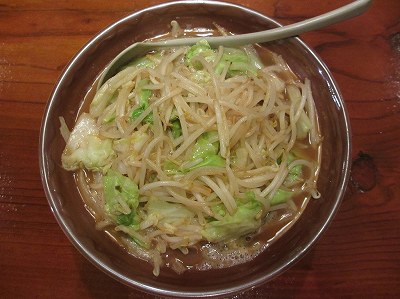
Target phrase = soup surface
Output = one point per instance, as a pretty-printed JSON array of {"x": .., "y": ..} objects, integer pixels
[{"x": 196, "y": 158}]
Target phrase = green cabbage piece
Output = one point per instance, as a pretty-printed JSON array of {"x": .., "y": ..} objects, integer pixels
[
  {"x": 296, "y": 171},
  {"x": 149, "y": 61},
  {"x": 171, "y": 168},
  {"x": 132, "y": 219},
  {"x": 207, "y": 151},
  {"x": 294, "y": 174},
  {"x": 200, "y": 48},
  {"x": 142, "y": 62},
  {"x": 94, "y": 154},
  {"x": 201, "y": 76},
  {"x": 117, "y": 186},
  {"x": 280, "y": 196},
  {"x": 176, "y": 128},
  {"x": 134, "y": 143},
  {"x": 213, "y": 160},
  {"x": 303, "y": 124},
  {"x": 108, "y": 92},
  {"x": 170, "y": 213},
  {"x": 85, "y": 149},
  {"x": 110, "y": 116},
  {"x": 240, "y": 63},
  {"x": 246, "y": 219},
  {"x": 239, "y": 158},
  {"x": 144, "y": 98},
  {"x": 203, "y": 149},
  {"x": 175, "y": 124},
  {"x": 219, "y": 209}
]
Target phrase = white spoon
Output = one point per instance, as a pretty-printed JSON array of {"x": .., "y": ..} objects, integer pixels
[{"x": 335, "y": 16}]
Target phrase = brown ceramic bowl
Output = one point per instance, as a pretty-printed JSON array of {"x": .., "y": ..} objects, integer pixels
[{"x": 97, "y": 247}]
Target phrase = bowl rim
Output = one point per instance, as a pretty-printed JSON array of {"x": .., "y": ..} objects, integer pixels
[{"x": 86, "y": 252}]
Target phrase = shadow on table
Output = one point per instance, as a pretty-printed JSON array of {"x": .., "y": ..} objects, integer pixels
[
  {"x": 287, "y": 285},
  {"x": 100, "y": 285}
]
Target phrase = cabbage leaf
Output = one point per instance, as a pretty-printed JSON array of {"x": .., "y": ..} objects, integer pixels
[
  {"x": 118, "y": 187},
  {"x": 303, "y": 124},
  {"x": 236, "y": 61},
  {"x": 85, "y": 149},
  {"x": 202, "y": 48},
  {"x": 207, "y": 150},
  {"x": 144, "y": 98},
  {"x": 246, "y": 219},
  {"x": 280, "y": 196},
  {"x": 172, "y": 214}
]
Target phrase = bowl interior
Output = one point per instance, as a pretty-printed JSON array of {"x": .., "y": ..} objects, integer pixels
[{"x": 99, "y": 248}]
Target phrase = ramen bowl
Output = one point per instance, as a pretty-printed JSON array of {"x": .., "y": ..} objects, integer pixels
[{"x": 99, "y": 248}]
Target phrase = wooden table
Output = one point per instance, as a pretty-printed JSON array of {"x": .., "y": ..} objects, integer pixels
[{"x": 358, "y": 256}]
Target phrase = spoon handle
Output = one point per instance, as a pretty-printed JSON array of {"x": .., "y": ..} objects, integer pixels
[
  {"x": 343, "y": 13},
  {"x": 340, "y": 14}
]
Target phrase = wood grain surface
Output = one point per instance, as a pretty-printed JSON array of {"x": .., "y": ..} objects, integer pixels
[{"x": 358, "y": 256}]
